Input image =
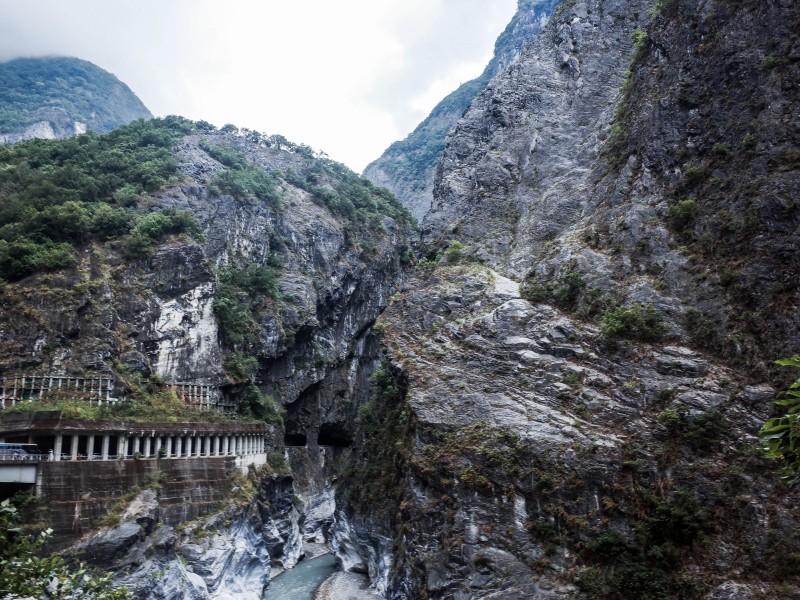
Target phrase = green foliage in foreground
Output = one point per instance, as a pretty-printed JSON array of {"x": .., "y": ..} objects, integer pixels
[
  {"x": 781, "y": 435},
  {"x": 55, "y": 194},
  {"x": 23, "y": 573}
]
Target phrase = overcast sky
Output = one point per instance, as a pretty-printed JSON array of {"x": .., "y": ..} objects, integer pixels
[{"x": 344, "y": 76}]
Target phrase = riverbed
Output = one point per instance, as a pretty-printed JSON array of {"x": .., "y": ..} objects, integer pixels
[
  {"x": 300, "y": 582},
  {"x": 319, "y": 579}
]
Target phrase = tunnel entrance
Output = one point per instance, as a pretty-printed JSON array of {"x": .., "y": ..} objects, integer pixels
[
  {"x": 334, "y": 434},
  {"x": 295, "y": 439}
]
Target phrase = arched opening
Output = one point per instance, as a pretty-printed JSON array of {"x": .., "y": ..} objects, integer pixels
[
  {"x": 295, "y": 439},
  {"x": 333, "y": 434}
]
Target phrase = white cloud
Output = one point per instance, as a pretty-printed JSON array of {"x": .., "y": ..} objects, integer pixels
[{"x": 346, "y": 77}]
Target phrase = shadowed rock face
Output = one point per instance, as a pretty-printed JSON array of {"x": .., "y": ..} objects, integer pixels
[{"x": 546, "y": 446}]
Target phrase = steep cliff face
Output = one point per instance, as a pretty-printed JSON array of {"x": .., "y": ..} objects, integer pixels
[
  {"x": 408, "y": 166},
  {"x": 58, "y": 97},
  {"x": 578, "y": 382},
  {"x": 295, "y": 259},
  {"x": 156, "y": 314},
  {"x": 650, "y": 186}
]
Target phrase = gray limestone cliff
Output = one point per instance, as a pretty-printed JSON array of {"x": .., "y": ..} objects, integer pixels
[
  {"x": 407, "y": 167},
  {"x": 582, "y": 363},
  {"x": 336, "y": 259},
  {"x": 231, "y": 553}
]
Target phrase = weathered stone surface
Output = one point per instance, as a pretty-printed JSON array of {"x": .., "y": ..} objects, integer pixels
[
  {"x": 622, "y": 159},
  {"x": 483, "y": 413},
  {"x": 223, "y": 556}
]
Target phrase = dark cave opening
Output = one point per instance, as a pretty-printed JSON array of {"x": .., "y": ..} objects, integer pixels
[
  {"x": 334, "y": 434},
  {"x": 295, "y": 439}
]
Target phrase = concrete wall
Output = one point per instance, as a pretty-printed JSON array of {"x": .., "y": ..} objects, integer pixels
[{"x": 76, "y": 494}]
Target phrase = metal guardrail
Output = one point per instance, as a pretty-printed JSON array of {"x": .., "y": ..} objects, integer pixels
[{"x": 24, "y": 458}]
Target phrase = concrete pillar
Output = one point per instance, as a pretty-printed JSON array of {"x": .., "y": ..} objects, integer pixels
[
  {"x": 137, "y": 445},
  {"x": 57, "y": 446},
  {"x": 73, "y": 454},
  {"x": 122, "y": 446},
  {"x": 147, "y": 442},
  {"x": 169, "y": 447},
  {"x": 226, "y": 447},
  {"x": 179, "y": 446},
  {"x": 158, "y": 441},
  {"x": 104, "y": 450},
  {"x": 217, "y": 445},
  {"x": 90, "y": 446},
  {"x": 198, "y": 445}
]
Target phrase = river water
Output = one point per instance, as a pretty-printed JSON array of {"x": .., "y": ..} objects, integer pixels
[{"x": 301, "y": 582}]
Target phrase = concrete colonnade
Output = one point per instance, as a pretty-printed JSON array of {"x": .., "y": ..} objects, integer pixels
[{"x": 82, "y": 446}]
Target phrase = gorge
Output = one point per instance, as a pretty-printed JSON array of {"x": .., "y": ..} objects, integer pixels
[{"x": 551, "y": 387}]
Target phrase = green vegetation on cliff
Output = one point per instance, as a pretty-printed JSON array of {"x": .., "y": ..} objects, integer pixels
[
  {"x": 242, "y": 178},
  {"x": 374, "y": 477},
  {"x": 56, "y": 194},
  {"x": 350, "y": 196}
]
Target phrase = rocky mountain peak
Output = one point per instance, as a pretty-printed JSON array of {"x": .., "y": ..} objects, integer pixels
[
  {"x": 407, "y": 167},
  {"x": 55, "y": 97}
]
